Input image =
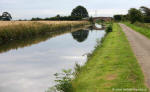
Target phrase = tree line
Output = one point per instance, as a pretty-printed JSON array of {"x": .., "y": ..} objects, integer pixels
[
  {"x": 77, "y": 13},
  {"x": 135, "y": 15}
]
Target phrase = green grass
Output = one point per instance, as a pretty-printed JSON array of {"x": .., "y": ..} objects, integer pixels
[
  {"x": 142, "y": 28},
  {"x": 112, "y": 65}
]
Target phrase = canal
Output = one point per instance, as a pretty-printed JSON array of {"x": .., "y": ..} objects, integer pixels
[{"x": 31, "y": 68}]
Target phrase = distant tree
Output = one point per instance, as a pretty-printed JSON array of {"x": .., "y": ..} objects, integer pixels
[
  {"x": 58, "y": 16},
  {"x": 146, "y": 13},
  {"x": 145, "y": 10},
  {"x": 6, "y": 16},
  {"x": 36, "y": 19},
  {"x": 117, "y": 17},
  {"x": 125, "y": 17},
  {"x": 135, "y": 15},
  {"x": 80, "y": 11},
  {"x": 91, "y": 20},
  {"x": 63, "y": 18}
]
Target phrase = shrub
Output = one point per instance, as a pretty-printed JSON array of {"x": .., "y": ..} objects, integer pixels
[
  {"x": 64, "y": 81},
  {"x": 77, "y": 69},
  {"x": 109, "y": 28}
]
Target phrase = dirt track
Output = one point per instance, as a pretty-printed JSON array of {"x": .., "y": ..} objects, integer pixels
[{"x": 141, "y": 48}]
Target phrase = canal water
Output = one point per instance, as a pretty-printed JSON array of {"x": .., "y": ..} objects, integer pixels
[{"x": 31, "y": 68}]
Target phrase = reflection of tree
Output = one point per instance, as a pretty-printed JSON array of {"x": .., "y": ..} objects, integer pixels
[
  {"x": 80, "y": 35},
  {"x": 91, "y": 27},
  {"x": 15, "y": 44}
]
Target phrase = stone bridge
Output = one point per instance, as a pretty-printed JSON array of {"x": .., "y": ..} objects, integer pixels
[{"x": 102, "y": 18}]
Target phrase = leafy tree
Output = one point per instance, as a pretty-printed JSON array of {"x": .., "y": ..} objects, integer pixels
[
  {"x": 146, "y": 13},
  {"x": 125, "y": 17},
  {"x": 91, "y": 20},
  {"x": 58, "y": 16},
  {"x": 80, "y": 11},
  {"x": 6, "y": 16},
  {"x": 135, "y": 15},
  {"x": 145, "y": 10},
  {"x": 117, "y": 17}
]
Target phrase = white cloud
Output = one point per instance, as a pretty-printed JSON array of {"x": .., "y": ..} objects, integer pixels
[
  {"x": 46, "y": 8},
  {"x": 107, "y": 12}
]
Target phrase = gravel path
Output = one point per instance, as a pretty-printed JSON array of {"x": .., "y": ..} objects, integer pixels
[{"x": 141, "y": 48}]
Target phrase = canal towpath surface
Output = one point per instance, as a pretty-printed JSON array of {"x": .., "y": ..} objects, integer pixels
[{"x": 141, "y": 48}]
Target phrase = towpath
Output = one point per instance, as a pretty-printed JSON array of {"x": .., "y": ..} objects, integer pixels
[{"x": 141, "y": 48}]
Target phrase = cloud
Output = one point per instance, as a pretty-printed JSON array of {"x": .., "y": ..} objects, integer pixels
[
  {"x": 107, "y": 12},
  {"x": 47, "y": 8}
]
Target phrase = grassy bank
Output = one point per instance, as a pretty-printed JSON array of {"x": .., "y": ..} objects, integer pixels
[
  {"x": 141, "y": 28},
  {"x": 20, "y": 30},
  {"x": 111, "y": 67}
]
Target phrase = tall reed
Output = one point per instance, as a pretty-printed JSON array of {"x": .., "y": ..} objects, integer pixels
[{"x": 22, "y": 30}]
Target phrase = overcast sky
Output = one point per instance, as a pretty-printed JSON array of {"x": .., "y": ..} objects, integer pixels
[{"x": 26, "y": 9}]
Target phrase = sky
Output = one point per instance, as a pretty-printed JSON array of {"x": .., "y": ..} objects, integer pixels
[{"x": 26, "y": 9}]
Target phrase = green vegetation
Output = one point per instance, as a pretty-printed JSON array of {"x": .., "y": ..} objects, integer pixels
[
  {"x": 109, "y": 28},
  {"x": 117, "y": 17},
  {"x": 27, "y": 30},
  {"x": 60, "y": 18},
  {"x": 77, "y": 14},
  {"x": 80, "y": 11},
  {"x": 91, "y": 20},
  {"x": 135, "y": 15},
  {"x": 112, "y": 66},
  {"x": 15, "y": 44},
  {"x": 64, "y": 81},
  {"x": 140, "y": 27},
  {"x": 146, "y": 13},
  {"x": 5, "y": 16}
]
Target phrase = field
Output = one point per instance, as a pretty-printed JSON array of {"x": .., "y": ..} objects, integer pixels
[
  {"x": 143, "y": 28},
  {"x": 111, "y": 67},
  {"x": 18, "y": 30}
]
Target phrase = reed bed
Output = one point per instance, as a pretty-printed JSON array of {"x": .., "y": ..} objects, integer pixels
[{"x": 18, "y": 30}]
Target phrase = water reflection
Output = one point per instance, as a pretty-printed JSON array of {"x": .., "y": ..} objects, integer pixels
[
  {"x": 80, "y": 35},
  {"x": 16, "y": 44},
  {"x": 31, "y": 68}
]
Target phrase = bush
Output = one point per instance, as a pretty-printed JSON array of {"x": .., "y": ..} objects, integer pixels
[
  {"x": 147, "y": 19},
  {"x": 109, "y": 28},
  {"x": 64, "y": 81},
  {"x": 117, "y": 17}
]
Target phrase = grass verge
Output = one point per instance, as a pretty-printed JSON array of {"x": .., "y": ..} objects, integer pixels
[
  {"x": 140, "y": 27},
  {"x": 111, "y": 68}
]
